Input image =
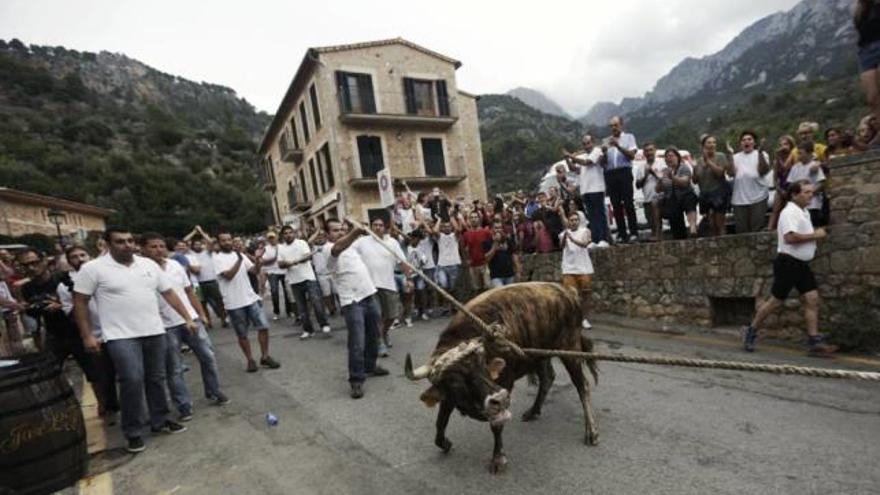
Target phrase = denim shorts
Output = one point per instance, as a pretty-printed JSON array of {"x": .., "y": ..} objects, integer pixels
[
  {"x": 419, "y": 282},
  {"x": 447, "y": 276},
  {"x": 248, "y": 316},
  {"x": 869, "y": 56}
]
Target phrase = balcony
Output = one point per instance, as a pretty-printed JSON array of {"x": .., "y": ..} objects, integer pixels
[
  {"x": 363, "y": 114},
  {"x": 289, "y": 153},
  {"x": 423, "y": 181},
  {"x": 269, "y": 187}
]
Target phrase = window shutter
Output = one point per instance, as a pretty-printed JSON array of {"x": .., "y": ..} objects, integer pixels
[
  {"x": 365, "y": 85},
  {"x": 342, "y": 91},
  {"x": 409, "y": 93},
  {"x": 442, "y": 98}
]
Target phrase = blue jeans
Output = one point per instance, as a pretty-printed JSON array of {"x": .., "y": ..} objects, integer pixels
[
  {"x": 276, "y": 288},
  {"x": 419, "y": 283},
  {"x": 203, "y": 349},
  {"x": 363, "y": 320},
  {"x": 447, "y": 276},
  {"x": 306, "y": 293},
  {"x": 140, "y": 369},
  {"x": 502, "y": 281},
  {"x": 596, "y": 215}
]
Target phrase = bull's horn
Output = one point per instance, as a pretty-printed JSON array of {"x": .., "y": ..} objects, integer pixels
[{"x": 420, "y": 373}]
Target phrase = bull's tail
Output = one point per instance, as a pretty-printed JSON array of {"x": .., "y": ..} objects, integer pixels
[{"x": 592, "y": 365}]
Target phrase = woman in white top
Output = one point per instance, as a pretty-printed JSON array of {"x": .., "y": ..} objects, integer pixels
[{"x": 750, "y": 184}]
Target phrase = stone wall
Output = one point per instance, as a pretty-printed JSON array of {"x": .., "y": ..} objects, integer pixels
[{"x": 678, "y": 281}]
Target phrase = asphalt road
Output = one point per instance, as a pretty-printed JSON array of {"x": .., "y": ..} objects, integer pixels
[{"x": 662, "y": 430}]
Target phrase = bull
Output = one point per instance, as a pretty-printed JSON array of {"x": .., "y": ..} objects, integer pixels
[{"x": 474, "y": 372}]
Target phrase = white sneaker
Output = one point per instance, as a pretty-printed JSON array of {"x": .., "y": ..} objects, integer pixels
[
  {"x": 586, "y": 324},
  {"x": 305, "y": 336},
  {"x": 274, "y": 317},
  {"x": 408, "y": 322},
  {"x": 394, "y": 324},
  {"x": 603, "y": 244},
  {"x": 325, "y": 329},
  {"x": 425, "y": 317},
  {"x": 591, "y": 245}
]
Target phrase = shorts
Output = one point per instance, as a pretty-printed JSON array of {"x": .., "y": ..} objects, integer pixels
[
  {"x": 419, "y": 282},
  {"x": 328, "y": 286},
  {"x": 869, "y": 56},
  {"x": 447, "y": 276},
  {"x": 790, "y": 272},
  {"x": 686, "y": 202},
  {"x": 389, "y": 303},
  {"x": 717, "y": 201},
  {"x": 244, "y": 318},
  {"x": 580, "y": 283},
  {"x": 479, "y": 277}
]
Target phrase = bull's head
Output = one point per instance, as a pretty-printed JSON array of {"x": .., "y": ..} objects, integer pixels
[{"x": 465, "y": 377}]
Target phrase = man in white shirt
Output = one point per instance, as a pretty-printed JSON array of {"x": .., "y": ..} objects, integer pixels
[
  {"x": 647, "y": 179},
  {"x": 125, "y": 288},
  {"x": 357, "y": 298},
  {"x": 620, "y": 150},
  {"x": 577, "y": 268},
  {"x": 209, "y": 290},
  {"x": 796, "y": 247},
  {"x": 448, "y": 256},
  {"x": 325, "y": 279},
  {"x": 153, "y": 246},
  {"x": 295, "y": 255},
  {"x": 277, "y": 281},
  {"x": 241, "y": 302},
  {"x": 591, "y": 182}
]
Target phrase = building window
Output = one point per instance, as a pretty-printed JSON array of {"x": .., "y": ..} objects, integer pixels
[
  {"x": 315, "y": 189},
  {"x": 355, "y": 92},
  {"x": 328, "y": 166},
  {"x": 316, "y": 113},
  {"x": 302, "y": 183},
  {"x": 423, "y": 97},
  {"x": 305, "y": 121},
  {"x": 370, "y": 153},
  {"x": 320, "y": 159},
  {"x": 293, "y": 133},
  {"x": 432, "y": 153},
  {"x": 291, "y": 194}
]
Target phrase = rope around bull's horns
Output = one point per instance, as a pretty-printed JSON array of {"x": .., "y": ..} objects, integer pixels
[{"x": 496, "y": 331}]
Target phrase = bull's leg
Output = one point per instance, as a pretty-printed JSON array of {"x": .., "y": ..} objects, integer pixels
[
  {"x": 546, "y": 375},
  {"x": 575, "y": 370},
  {"x": 442, "y": 421},
  {"x": 499, "y": 460}
]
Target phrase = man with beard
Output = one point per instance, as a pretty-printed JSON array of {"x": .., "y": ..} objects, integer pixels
[
  {"x": 620, "y": 150},
  {"x": 209, "y": 290},
  {"x": 294, "y": 255}
]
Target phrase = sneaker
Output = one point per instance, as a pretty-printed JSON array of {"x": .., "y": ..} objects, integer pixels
[
  {"x": 325, "y": 329},
  {"x": 185, "y": 415},
  {"x": 220, "y": 399},
  {"x": 169, "y": 427},
  {"x": 394, "y": 324},
  {"x": 274, "y": 317},
  {"x": 750, "y": 334},
  {"x": 357, "y": 391},
  {"x": 603, "y": 244},
  {"x": 268, "y": 362},
  {"x": 252, "y": 366},
  {"x": 305, "y": 335},
  {"x": 383, "y": 350},
  {"x": 818, "y": 348},
  {"x": 408, "y": 322},
  {"x": 135, "y": 445},
  {"x": 425, "y": 317},
  {"x": 380, "y": 371},
  {"x": 225, "y": 322},
  {"x": 592, "y": 245},
  {"x": 586, "y": 324}
]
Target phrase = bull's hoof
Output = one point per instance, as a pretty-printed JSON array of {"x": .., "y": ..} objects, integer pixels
[
  {"x": 498, "y": 464},
  {"x": 444, "y": 445},
  {"x": 531, "y": 415},
  {"x": 592, "y": 438}
]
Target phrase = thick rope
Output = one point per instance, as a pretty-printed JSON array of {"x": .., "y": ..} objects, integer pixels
[
  {"x": 497, "y": 331},
  {"x": 779, "y": 369}
]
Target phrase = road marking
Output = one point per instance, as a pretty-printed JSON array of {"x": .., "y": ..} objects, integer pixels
[{"x": 99, "y": 484}]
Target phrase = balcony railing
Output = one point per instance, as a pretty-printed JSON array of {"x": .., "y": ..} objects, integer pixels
[
  {"x": 357, "y": 115},
  {"x": 288, "y": 152}
]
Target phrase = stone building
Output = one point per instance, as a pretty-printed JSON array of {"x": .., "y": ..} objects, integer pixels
[
  {"x": 28, "y": 213},
  {"x": 352, "y": 110}
]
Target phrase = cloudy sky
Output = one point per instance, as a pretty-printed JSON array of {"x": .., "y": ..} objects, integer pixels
[{"x": 577, "y": 52}]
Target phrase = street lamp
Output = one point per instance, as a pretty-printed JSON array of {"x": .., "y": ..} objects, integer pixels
[{"x": 57, "y": 217}]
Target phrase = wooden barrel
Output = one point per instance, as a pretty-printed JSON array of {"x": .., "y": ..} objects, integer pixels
[{"x": 42, "y": 433}]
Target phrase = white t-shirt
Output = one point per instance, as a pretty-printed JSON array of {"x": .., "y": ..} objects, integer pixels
[
  {"x": 237, "y": 293},
  {"x": 649, "y": 189},
  {"x": 426, "y": 247},
  {"x": 125, "y": 295},
  {"x": 591, "y": 178},
  {"x": 193, "y": 262},
  {"x": 448, "y": 250},
  {"x": 176, "y": 274},
  {"x": 426, "y": 212},
  {"x": 749, "y": 187},
  {"x": 800, "y": 171},
  {"x": 353, "y": 282},
  {"x": 407, "y": 220},
  {"x": 206, "y": 266},
  {"x": 66, "y": 299},
  {"x": 379, "y": 261},
  {"x": 271, "y": 253},
  {"x": 319, "y": 260},
  {"x": 576, "y": 259},
  {"x": 793, "y": 218},
  {"x": 296, "y": 250},
  {"x": 616, "y": 159}
]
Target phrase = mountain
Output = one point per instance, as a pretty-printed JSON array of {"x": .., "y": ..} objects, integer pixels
[
  {"x": 538, "y": 101},
  {"x": 166, "y": 153},
  {"x": 814, "y": 40}
]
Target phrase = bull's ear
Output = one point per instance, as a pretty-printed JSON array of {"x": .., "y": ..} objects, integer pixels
[
  {"x": 432, "y": 396},
  {"x": 496, "y": 366}
]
